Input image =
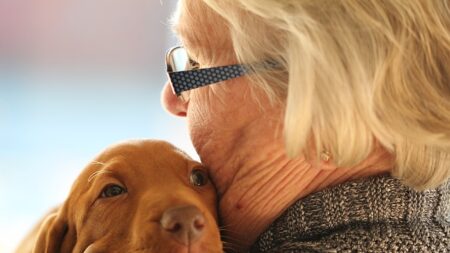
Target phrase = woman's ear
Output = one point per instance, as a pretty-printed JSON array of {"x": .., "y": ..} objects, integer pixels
[{"x": 54, "y": 235}]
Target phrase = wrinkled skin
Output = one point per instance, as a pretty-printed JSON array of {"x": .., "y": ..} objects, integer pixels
[{"x": 156, "y": 178}]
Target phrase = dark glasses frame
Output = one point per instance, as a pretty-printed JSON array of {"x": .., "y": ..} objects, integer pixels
[{"x": 195, "y": 78}]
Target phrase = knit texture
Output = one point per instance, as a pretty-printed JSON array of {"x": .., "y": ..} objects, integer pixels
[{"x": 377, "y": 214}]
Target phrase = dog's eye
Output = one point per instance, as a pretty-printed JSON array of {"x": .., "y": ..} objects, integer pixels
[
  {"x": 198, "y": 177},
  {"x": 112, "y": 190}
]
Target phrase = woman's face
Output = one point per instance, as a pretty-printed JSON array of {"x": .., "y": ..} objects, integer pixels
[{"x": 224, "y": 122}]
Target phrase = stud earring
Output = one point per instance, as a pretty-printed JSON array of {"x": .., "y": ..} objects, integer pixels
[{"x": 325, "y": 156}]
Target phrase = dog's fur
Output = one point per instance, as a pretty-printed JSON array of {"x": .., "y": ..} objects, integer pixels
[{"x": 156, "y": 178}]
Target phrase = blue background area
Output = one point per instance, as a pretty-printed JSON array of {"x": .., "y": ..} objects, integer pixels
[{"x": 51, "y": 127}]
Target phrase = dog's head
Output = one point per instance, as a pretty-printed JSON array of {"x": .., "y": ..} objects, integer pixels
[{"x": 143, "y": 196}]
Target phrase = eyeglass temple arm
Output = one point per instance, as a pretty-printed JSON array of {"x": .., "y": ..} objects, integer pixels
[{"x": 196, "y": 78}]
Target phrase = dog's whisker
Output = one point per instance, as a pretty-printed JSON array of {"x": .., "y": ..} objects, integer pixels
[
  {"x": 228, "y": 237},
  {"x": 228, "y": 225},
  {"x": 229, "y": 241},
  {"x": 232, "y": 244},
  {"x": 228, "y": 231},
  {"x": 99, "y": 172},
  {"x": 235, "y": 242},
  {"x": 227, "y": 244},
  {"x": 229, "y": 248},
  {"x": 225, "y": 228},
  {"x": 97, "y": 163}
]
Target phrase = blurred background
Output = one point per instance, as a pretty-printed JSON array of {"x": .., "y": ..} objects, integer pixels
[{"x": 75, "y": 77}]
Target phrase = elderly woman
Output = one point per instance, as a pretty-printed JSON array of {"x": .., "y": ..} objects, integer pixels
[{"x": 325, "y": 124}]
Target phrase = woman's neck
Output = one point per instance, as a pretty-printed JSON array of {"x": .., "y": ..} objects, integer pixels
[{"x": 253, "y": 193}]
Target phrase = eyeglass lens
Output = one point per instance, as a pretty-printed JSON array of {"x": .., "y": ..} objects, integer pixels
[{"x": 180, "y": 59}]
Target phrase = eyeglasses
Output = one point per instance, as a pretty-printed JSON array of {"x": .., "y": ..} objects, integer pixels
[{"x": 185, "y": 74}]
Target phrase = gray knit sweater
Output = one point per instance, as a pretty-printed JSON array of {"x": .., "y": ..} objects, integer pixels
[{"x": 377, "y": 214}]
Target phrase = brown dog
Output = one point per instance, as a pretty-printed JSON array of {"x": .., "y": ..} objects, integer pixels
[{"x": 142, "y": 196}]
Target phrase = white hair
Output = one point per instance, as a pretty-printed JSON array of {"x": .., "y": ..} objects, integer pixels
[{"x": 356, "y": 73}]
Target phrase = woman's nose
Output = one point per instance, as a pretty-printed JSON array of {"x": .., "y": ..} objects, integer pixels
[{"x": 172, "y": 103}]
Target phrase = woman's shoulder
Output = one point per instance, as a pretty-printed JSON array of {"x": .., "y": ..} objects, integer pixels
[
  {"x": 373, "y": 238},
  {"x": 377, "y": 214}
]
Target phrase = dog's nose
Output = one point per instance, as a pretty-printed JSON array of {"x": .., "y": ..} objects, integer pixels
[{"x": 186, "y": 223}]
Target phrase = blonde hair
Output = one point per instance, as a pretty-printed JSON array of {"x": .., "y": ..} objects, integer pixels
[{"x": 357, "y": 71}]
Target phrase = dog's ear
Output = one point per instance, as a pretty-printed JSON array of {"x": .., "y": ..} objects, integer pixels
[{"x": 54, "y": 235}]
